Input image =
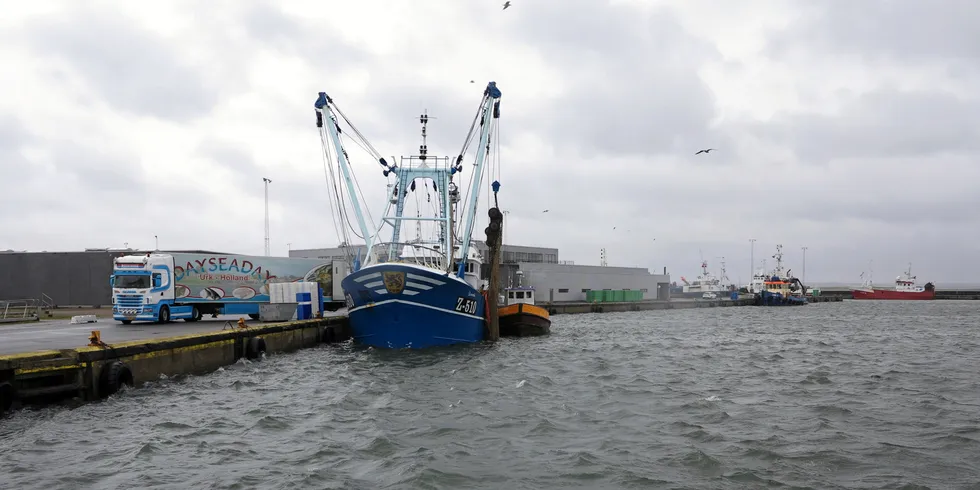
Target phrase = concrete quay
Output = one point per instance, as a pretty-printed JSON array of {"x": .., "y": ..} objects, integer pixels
[{"x": 96, "y": 371}]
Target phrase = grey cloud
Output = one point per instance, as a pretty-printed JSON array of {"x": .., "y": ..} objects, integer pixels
[
  {"x": 13, "y": 167},
  {"x": 12, "y": 135},
  {"x": 99, "y": 171},
  {"x": 132, "y": 69},
  {"x": 91, "y": 168},
  {"x": 76, "y": 178},
  {"x": 225, "y": 154},
  {"x": 268, "y": 22},
  {"x": 886, "y": 122},
  {"x": 906, "y": 30},
  {"x": 952, "y": 209},
  {"x": 450, "y": 118},
  {"x": 270, "y": 26},
  {"x": 636, "y": 90}
]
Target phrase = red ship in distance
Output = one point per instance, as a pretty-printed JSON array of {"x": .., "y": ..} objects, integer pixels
[{"x": 905, "y": 289}]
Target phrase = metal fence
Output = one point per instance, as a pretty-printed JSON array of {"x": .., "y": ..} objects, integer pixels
[{"x": 18, "y": 310}]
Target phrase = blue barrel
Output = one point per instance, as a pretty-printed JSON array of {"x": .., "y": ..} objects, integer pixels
[{"x": 304, "y": 306}]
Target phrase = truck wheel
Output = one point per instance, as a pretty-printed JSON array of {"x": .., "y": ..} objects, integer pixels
[
  {"x": 164, "y": 314},
  {"x": 253, "y": 316},
  {"x": 195, "y": 315}
]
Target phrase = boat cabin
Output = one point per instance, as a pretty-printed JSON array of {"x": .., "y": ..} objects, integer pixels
[
  {"x": 776, "y": 285},
  {"x": 517, "y": 295}
]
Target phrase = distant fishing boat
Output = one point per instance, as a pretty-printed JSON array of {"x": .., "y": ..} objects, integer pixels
[
  {"x": 421, "y": 292},
  {"x": 780, "y": 288},
  {"x": 905, "y": 289}
]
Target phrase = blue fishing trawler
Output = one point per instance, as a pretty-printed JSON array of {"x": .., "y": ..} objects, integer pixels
[
  {"x": 424, "y": 291},
  {"x": 781, "y": 288}
]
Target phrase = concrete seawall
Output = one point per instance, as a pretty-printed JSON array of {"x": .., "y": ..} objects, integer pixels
[{"x": 97, "y": 371}]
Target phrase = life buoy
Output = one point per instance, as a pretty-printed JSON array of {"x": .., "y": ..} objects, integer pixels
[{"x": 114, "y": 375}]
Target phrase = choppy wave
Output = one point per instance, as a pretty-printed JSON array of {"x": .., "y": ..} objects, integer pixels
[{"x": 826, "y": 396}]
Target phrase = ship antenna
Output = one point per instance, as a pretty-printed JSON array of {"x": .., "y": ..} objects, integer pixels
[{"x": 424, "y": 148}]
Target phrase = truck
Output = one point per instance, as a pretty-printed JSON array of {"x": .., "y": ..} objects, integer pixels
[{"x": 162, "y": 287}]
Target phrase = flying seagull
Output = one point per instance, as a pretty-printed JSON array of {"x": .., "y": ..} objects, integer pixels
[
  {"x": 506, "y": 4},
  {"x": 704, "y": 151},
  {"x": 545, "y": 211},
  {"x": 472, "y": 81}
]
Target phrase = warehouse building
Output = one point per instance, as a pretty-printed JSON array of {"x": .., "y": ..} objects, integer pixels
[
  {"x": 540, "y": 268},
  {"x": 82, "y": 278},
  {"x": 62, "y": 278}
]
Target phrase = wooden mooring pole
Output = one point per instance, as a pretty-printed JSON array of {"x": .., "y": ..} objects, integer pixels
[{"x": 494, "y": 243}]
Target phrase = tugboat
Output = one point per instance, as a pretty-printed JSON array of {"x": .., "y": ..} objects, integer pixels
[
  {"x": 905, "y": 289},
  {"x": 520, "y": 317},
  {"x": 781, "y": 289}
]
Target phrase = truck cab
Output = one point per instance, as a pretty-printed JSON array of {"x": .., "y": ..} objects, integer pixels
[{"x": 143, "y": 289}]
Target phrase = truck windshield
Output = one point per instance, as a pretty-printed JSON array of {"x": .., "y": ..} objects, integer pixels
[{"x": 132, "y": 282}]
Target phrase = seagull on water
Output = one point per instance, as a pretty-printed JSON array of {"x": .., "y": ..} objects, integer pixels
[
  {"x": 506, "y": 4},
  {"x": 704, "y": 151}
]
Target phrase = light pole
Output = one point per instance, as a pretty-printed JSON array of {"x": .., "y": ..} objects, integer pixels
[
  {"x": 289, "y": 248},
  {"x": 752, "y": 268},
  {"x": 804, "y": 264},
  {"x": 266, "y": 182},
  {"x": 157, "y": 240}
]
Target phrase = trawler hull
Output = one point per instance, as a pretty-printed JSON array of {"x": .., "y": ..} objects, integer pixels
[
  {"x": 398, "y": 305},
  {"x": 768, "y": 298}
]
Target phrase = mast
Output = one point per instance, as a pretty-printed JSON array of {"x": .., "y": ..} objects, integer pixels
[
  {"x": 322, "y": 103},
  {"x": 779, "y": 261},
  {"x": 423, "y": 167},
  {"x": 491, "y": 111}
]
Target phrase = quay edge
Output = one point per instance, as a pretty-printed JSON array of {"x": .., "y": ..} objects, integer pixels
[
  {"x": 649, "y": 305},
  {"x": 93, "y": 372}
]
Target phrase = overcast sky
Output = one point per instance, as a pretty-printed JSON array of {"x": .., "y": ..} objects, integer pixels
[{"x": 849, "y": 127}]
